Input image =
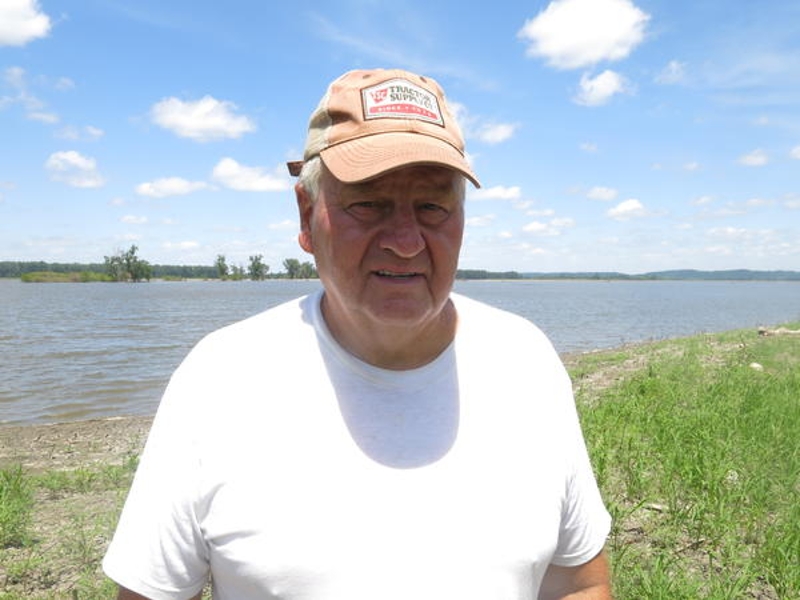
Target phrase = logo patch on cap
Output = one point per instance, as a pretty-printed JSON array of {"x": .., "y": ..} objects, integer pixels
[{"x": 400, "y": 99}]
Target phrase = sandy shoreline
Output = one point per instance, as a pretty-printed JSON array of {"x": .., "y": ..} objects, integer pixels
[{"x": 72, "y": 444}]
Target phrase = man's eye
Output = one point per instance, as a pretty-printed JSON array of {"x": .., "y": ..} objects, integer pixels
[
  {"x": 365, "y": 210},
  {"x": 431, "y": 213}
]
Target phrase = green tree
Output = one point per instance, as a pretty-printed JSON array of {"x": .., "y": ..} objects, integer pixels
[
  {"x": 292, "y": 267},
  {"x": 307, "y": 271},
  {"x": 237, "y": 273},
  {"x": 127, "y": 266},
  {"x": 222, "y": 266},
  {"x": 297, "y": 270},
  {"x": 257, "y": 269},
  {"x": 115, "y": 267}
]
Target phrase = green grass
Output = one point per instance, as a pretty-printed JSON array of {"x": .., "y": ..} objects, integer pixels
[
  {"x": 16, "y": 506},
  {"x": 70, "y": 277},
  {"x": 697, "y": 453},
  {"x": 56, "y": 526}
]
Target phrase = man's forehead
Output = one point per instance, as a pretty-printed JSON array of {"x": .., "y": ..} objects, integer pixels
[{"x": 416, "y": 175}]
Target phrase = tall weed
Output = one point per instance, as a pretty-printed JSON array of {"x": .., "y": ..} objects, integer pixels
[{"x": 16, "y": 506}]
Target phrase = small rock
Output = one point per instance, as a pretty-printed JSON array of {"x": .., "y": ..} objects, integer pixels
[{"x": 756, "y": 366}]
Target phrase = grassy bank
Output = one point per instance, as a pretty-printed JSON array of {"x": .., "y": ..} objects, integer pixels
[
  {"x": 695, "y": 446},
  {"x": 694, "y": 441},
  {"x": 53, "y": 277}
]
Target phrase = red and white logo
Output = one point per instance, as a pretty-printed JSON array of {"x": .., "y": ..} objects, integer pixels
[
  {"x": 379, "y": 96},
  {"x": 401, "y": 99}
]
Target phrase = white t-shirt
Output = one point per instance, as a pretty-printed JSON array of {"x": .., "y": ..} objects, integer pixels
[{"x": 287, "y": 468}]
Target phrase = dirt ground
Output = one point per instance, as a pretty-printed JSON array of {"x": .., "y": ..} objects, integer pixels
[{"x": 66, "y": 446}]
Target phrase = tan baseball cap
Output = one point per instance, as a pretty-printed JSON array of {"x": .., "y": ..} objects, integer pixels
[{"x": 370, "y": 122}]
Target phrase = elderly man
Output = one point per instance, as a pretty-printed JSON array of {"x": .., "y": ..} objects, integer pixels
[{"x": 383, "y": 438}]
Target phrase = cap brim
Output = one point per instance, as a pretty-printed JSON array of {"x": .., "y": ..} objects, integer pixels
[{"x": 368, "y": 157}]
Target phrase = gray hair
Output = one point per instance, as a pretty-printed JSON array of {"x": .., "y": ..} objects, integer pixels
[{"x": 311, "y": 174}]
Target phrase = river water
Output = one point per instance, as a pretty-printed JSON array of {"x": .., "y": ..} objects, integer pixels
[{"x": 94, "y": 350}]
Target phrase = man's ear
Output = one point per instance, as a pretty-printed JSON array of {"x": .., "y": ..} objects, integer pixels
[{"x": 305, "y": 206}]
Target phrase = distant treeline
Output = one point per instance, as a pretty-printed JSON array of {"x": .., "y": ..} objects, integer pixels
[
  {"x": 679, "y": 274},
  {"x": 17, "y": 269},
  {"x": 480, "y": 274}
]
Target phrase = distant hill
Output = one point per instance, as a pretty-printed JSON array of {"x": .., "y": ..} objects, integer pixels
[{"x": 677, "y": 274}]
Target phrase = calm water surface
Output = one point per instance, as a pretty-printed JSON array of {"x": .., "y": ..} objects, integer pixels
[{"x": 76, "y": 351}]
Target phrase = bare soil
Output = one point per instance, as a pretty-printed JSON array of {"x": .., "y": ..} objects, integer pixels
[{"x": 67, "y": 446}]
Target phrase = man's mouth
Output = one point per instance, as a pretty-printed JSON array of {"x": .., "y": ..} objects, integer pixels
[{"x": 393, "y": 275}]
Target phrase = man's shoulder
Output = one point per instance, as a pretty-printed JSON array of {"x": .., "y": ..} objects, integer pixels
[
  {"x": 474, "y": 312},
  {"x": 276, "y": 325},
  {"x": 490, "y": 326}
]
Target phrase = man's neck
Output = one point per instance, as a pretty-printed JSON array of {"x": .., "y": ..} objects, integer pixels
[{"x": 397, "y": 347}]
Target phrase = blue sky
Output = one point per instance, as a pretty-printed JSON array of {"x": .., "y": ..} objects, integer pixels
[{"x": 609, "y": 135}]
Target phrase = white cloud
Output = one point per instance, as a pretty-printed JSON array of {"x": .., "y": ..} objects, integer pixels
[
  {"x": 756, "y": 158},
  {"x": 691, "y": 166},
  {"x": 571, "y": 34},
  {"x": 477, "y": 127},
  {"x": 588, "y": 147},
  {"x": 719, "y": 250},
  {"x": 495, "y": 133},
  {"x": 239, "y": 177},
  {"x": 34, "y": 108},
  {"x": 795, "y": 153},
  {"x": 758, "y": 202},
  {"x": 551, "y": 228},
  {"x": 43, "y": 117},
  {"x": 536, "y": 227},
  {"x": 481, "y": 221},
  {"x": 729, "y": 233},
  {"x": 203, "y": 120},
  {"x": 702, "y": 200},
  {"x": 498, "y": 192},
  {"x": 170, "y": 186},
  {"x": 286, "y": 224},
  {"x": 22, "y": 21},
  {"x": 629, "y": 209},
  {"x": 602, "y": 193},
  {"x": 134, "y": 220},
  {"x": 187, "y": 245},
  {"x": 596, "y": 91},
  {"x": 71, "y": 132},
  {"x": 563, "y": 222},
  {"x": 74, "y": 169},
  {"x": 673, "y": 73},
  {"x": 15, "y": 77},
  {"x": 64, "y": 84}
]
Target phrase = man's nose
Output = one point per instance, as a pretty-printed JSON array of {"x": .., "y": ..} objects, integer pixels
[{"x": 403, "y": 234}]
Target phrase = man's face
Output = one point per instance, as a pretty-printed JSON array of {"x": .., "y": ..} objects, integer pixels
[{"x": 387, "y": 249}]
